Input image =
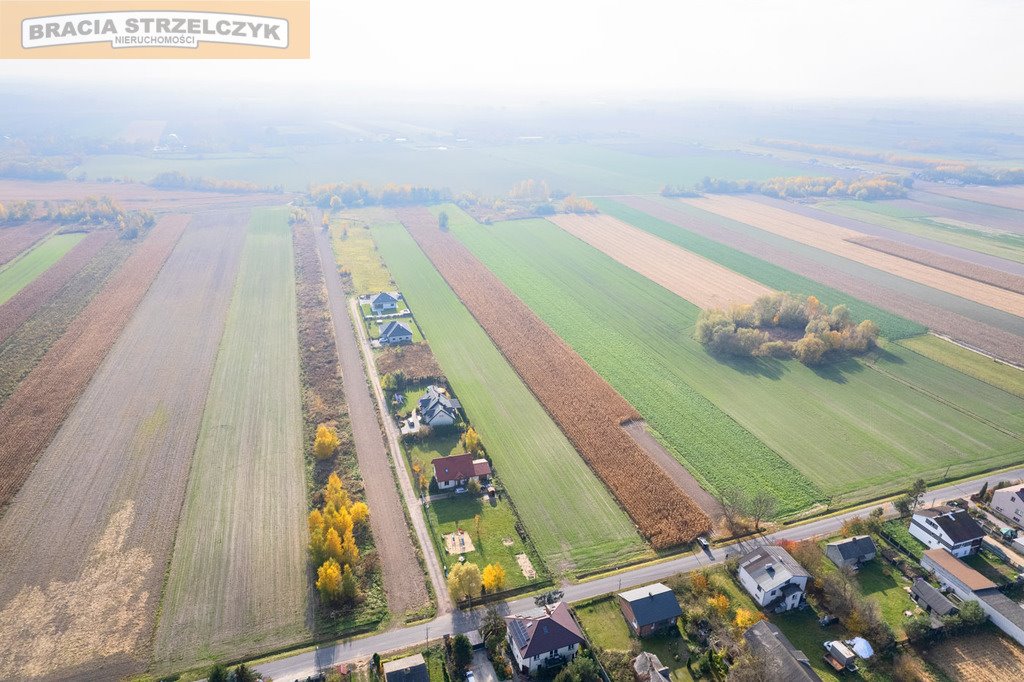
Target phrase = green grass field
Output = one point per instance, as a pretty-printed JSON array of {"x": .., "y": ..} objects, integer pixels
[
  {"x": 998, "y": 374},
  {"x": 586, "y": 529},
  {"x": 885, "y": 587},
  {"x": 497, "y": 525},
  {"x": 356, "y": 253},
  {"x": 20, "y": 272},
  {"x": 237, "y": 583},
  {"x": 604, "y": 625},
  {"x": 857, "y": 428}
]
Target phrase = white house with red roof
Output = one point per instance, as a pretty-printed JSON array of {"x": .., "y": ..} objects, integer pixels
[{"x": 456, "y": 471}]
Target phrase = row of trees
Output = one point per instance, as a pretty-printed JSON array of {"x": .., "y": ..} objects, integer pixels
[
  {"x": 31, "y": 170},
  {"x": 14, "y": 212},
  {"x": 176, "y": 180},
  {"x": 865, "y": 188},
  {"x": 767, "y": 328},
  {"x": 467, "y": 581},
  {"x": 333, "y": 529},
  {"x": 352, "y": 195},
  {"x": 102, "y": 211}
]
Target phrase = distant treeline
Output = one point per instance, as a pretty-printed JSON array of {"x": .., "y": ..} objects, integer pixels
[
  {"x": 938, "y": 170},
  {"x": 354, "y": 195},
  {"x": 875, "y": 187},
  {"x": 15, "y": 212},
  {"x": 103, "y": 211},
  {"x": 31, "y": 170},
  {"x": 176, "y": 180}
]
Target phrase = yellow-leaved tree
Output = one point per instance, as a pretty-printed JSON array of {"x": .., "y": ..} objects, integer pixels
[
  {"x": 332, "y": 545},
  {"x": 326, "y": 442},
  {"x": 493, "y": 577},
  {"x": 335, "y": 493},
  {"x": 359, "y": 513},
  {"x": 720, "y": 603},
  {"x": 471, "y": 441},
  {"x": 745, "y": 618},
  {"x": 328, "y": 580},
  {"x": 349, "y": 589},
  {"x": 464, "y": 580},
  {"x": 349, "y": 551}
]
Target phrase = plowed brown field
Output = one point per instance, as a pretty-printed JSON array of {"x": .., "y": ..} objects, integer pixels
[
  {"x": 1007, "y": 197},
  {"x": 14, "y": 240},
  {"x": 26, "y": 302},
  {"x": 833, "y": 239},
  {"x": 698, "y": 280},
  {"x": 37, "y": 408},
  {"x": 585, "y": 407}
]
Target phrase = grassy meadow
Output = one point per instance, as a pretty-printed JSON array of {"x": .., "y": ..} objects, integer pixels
[
  {"x": 981, "y": 367},
  {"x": 357, "y": 254},
  {"x": 20, "y": 272}
]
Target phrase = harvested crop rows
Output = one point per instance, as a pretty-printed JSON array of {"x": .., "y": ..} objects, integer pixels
[
  {"x": 832, "y": 239},
  {"x": 24, "y": 270},
  {"x": 84, "y": 592},
  {"x": 1006, "y": 197},
  {"x": 698, "y": 280},
  {"x": 15, "y": 240},
  {"x": 665, "y": 220},
  {"x": 37, "y": 408},
  {"x": 237, "y": 583},
  {"x": 587, "y": 409},
  {"x": 980, "y": 273},
  {"x": 26, "y": 302}
]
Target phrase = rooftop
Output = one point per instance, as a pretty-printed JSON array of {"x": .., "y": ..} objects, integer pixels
[
  {"x": 652, "y": 604},
  {"x": 954, "y": 522},
  {"x": 932, "y": 598},
  {"x": 786, "y": 660},
  {"x": 855, "y": 547},
  {"x": 770, "y": 566},
  {"x": 545, "y": 629},
  {"x": 459, "y": 467},
  {"x": 949, "y": 564}
]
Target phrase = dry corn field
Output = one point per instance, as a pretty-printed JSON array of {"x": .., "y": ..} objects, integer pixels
[
  {"x": 585, "y": 407},
  {"x": 988, "y": 657},
  {"x": 696, "y": 279},
  {"x": 832, "y": 239}
]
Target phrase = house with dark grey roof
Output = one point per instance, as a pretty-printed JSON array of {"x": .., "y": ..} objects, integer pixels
[
  {"x": 437, "y": 408},
  {"x": 544, "y": 638},
  {"x": 648, "y": 668},
  {"x": 947, "y": 527},
  {"x": 1009, "y": 503},
  {"x": 384, "y": 302},
  {"x": 773, "y": 578},
  {"x": 851, "y": 552},
  {"x": 931, "y": 600},
  {"x": 394, "y": 333},
  {"x": 649, "y": 609},
  {"x": 409, "y": 669},
  {"x": 784, "y": 661}
]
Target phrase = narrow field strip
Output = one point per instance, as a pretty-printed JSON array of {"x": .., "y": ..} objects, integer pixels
[
  {"x": 15, "y": 240},
  {"x": 34, "y": 295},
  {"x": 832, "y": 239},
  {"x": 237, "y": 583},
  {"x": 1006, "y": 197},
  {"x": 584, "y": 405},
  {"x": 531, "y": 455},
  {"x": 696, "y": 279},
  {"x": 37, "y": 408},
  {"x": 22, "y": 271},
  {"x": 83, "y": 593},
  {"x": 981, "y": 367}
]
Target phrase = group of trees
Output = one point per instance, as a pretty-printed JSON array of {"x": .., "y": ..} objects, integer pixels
[
  {"x": 353, "y": 195},
  {"x": 738, "y": 504},
  {"x": 31, "y": 170},
  {"x": 241, "y": 673},
  {"x": 102, "y": 211},
  {"x": 332, "y": 541},
  {"x": 493, "y": 631},
  {"x": 865, "y": 188},
  {"x": 15, "y": 212},
  {"x": 968, "y": 620},
  {"x": 767, "y": 328},
  {"x": 912, "y": 499},
  {"x": 176, "y": 180},
  {"x": 326, "y": 442},
  {"x": 575, "y": 204},
  {"x": 467, "y": 581}
]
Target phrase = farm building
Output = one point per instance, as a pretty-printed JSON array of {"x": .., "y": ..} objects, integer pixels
[
  {"x": 437, "y": 408},
  {"x": 648, "y": 668},
  {"x": 543, "y": 639},
  {"x": 930, "y": 599},
  {"x": 785, "y": 661},
  {"x": 1009, "y": 503},
  {"x": 394, "y": 334},
  {"x": 458, "y": 470},
  {"x": 383, "y": 303},
  {"x": 409, "y": 669},
  {"x": 773, "y": 578},
  {"x": 649, "y": 609},
  {"x": 949, "y": 528},
  {"x": 851, "y": 552}
]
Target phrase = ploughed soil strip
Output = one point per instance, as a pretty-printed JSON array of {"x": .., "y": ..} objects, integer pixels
[
  {"x": 1006, "y": 197},
  {"x": 996, "y": 278},
  {"x": 37, "y": 408},
  {"x": 78, "y": 598},
  {"x": 587, "y": 409},
  {"x": 26, "y": 302},
  {"x": 15, "y": 240}
]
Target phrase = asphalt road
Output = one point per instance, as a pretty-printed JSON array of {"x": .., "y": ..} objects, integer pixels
[{"x": 302, "y": 665}]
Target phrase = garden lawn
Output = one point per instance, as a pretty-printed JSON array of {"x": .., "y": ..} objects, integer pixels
[
  {"x": 587, "y": 529},
  {"x": 966, "y": 361},
  {"x": 898, "y": 531},
  {"x": 424, "y": 451},
  {"x": 20, "y": 272},
  {"x": 357, "y": 254},
  {"x": 856, "y": 428},
  {"x": 886, "y": 588},
  {"x": 497, "y": 523},
  {"x": 801, "y": 627},
  {"x": 604, "y": 625}
]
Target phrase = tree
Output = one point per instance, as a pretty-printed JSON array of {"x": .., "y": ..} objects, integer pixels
[
  {"x": 493, "y": 630},
  {"x": 902, "y": 505},
  {"x": 332, "y": 545},
  {"x": 474, "y": 489},
  {"x": 476, "y": 524},
  {"x": 580, "y": 669},
  {"x": 218, "y": 673},
  {"x": 719, "y": 603},
  {"x": 388, "y": 382},
  {"x": 359, "y": 513},
  {"x": 699, "y": 582},
  {"x": 745, "y": 618},
  {"x": 734, "y": 501},
  {"x": 762, "y": 505},
  {"x": 328, "y": 580},
  {"x": 809, "y": 350},
  {"x": 326, "y": 442},
  {"x": 349, "y": 550},
  {"x": 471, "y": 441},
  {"x": 442, "y": 221},
  {"x": 983, "y": 492},
  {"x": 315, "y": 520},
  {"x": 462, "y": 653},
  {"x": 465, "y": 580},
  {"x": 348, "y": 589},
  {"x": 334, "y": 493},
  {"x": 916, "y": 493},
  {"x": 493, "y": 577},
  {"x": 971, "y": 616},
  {"x": 244, "y": 674}
]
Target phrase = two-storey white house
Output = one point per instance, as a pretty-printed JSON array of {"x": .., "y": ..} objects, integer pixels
[
  {"x": 1009, "y": 502},
  {"x": 773, "y": 578},
  {"x": 946, "y": 527},
  {"x": 543, "y": 639}
]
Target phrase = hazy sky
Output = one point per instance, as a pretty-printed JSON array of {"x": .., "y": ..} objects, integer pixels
[{"x": 969, "y": 49}]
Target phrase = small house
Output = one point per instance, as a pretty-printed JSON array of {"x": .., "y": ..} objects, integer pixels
[
  {"x": 647, "y": 667},
  {"x": 783, "y": 660},
  {"x": 948, "y": 528},
  {"x": 851, "y": 552},
  {"x": 394, "y": 334},
  {"x": 409, "y": 669},
  {"x": 437, "y": 408},
  {"x": 773, "y": 578},
  {"x": 931, "y": 600},
  {"x": 383, "y": 303},
  {"x": 1009, "y": 503},
  {"x": 649, "y": 609},
  {"x": 544, "y": 639},
  {"x": 456, "y": 471}
]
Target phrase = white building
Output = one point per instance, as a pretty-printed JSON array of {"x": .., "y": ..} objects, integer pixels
[
  {"x": 543, "y": 639},
  {"x": 773, "y": 578},
  {"x": 948, "y": 528},
  {"x": 1009, "y": 503}
]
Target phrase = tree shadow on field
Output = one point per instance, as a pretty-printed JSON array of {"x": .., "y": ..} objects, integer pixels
[
  {"x": 768, "y": 368},
  {"x": 882, "y": 355},
  {"x": 837, "y": 371}
]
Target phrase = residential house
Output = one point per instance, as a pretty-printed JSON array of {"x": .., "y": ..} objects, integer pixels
[
  {"x": 648, "y": 668},
  {"x": 383, "y": 303},
  {"x": 851, "y": 552},
  {"x": 544, "y": 638},
  {"x": 1009, "y": 503},
  {"x": 649, "y": 609},
  {"x": 784, "y": 661},
  {"x": 409, "y": 669},
  {"x": 394, "y": 333},
  {"x": 773, "y": 578},
  {"x": 931, "y": 600},
  {"x": 456, "y": 471},
  {"x": 437, "y": 408},
  {"x": 970, "y": 585},
  {"x": 949, "y": 528}
]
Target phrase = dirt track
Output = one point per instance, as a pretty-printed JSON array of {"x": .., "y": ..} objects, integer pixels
[
  {"x": 88, "y": 587},
  {"x": 696, "y": 279}
]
